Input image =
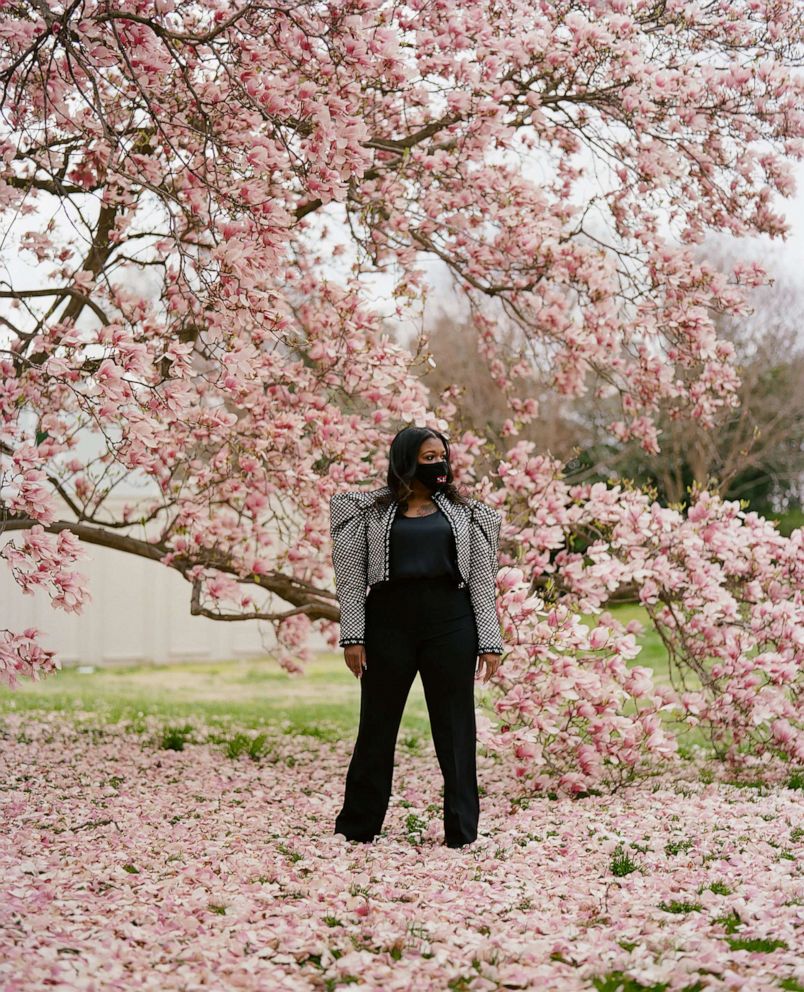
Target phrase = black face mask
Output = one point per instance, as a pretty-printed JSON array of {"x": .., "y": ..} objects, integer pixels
[{"x": 432, "y": 474}]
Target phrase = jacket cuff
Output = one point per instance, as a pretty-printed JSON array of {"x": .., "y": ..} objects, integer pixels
[
  {"x": 350, "y": 640},
  {"x": 492, "y": 650}
]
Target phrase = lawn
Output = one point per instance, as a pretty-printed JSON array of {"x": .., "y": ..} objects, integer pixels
[{"x": 324, "y": 701}]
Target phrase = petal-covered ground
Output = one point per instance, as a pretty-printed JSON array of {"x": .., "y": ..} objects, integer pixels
[{"x": 127, "y": 865}]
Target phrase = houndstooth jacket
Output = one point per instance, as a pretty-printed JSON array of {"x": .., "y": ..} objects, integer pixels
[{"x": 361, "y": 534}]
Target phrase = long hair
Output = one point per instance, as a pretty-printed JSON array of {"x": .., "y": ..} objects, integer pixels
[{"x": 402, "y": 460}]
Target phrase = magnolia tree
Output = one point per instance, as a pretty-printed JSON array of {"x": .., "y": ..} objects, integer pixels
[
  {"x": 192, "y": 194},
  {"x": 723, "y": 589}
]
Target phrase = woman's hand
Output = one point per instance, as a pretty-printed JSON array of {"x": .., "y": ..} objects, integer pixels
[
  {"x": 355, "y": 656},
  {"x": 492, "y": 663}
]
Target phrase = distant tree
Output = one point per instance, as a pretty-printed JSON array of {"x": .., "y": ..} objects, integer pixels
[
  {"x": 755, "y": 452},
  {"x": 756, "y": 449}
]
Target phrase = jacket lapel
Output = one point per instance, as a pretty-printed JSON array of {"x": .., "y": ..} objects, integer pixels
[{"x": 460, "y": 528}]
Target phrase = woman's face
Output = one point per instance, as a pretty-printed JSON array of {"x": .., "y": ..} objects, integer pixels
[{"x": 432, "y": 450}]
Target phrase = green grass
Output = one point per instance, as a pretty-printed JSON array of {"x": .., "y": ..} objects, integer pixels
[
  {"x": 252, "y": 694},
  {"x": 325, "y": 701},
  {"x": 618, "y": 981},
  {"x": 789, "y": 520}
]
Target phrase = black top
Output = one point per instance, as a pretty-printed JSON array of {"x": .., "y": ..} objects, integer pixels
[{"x": 422, "y": 546}]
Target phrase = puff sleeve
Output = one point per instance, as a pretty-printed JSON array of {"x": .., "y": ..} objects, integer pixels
[
  {"x": 484, "y": 537},
  {"x": 350, "y": 563}
]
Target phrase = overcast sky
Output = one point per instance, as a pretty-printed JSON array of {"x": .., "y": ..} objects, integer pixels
[
  {"x": 21, "y": 270},
  {"x": 788, "y": 256}
]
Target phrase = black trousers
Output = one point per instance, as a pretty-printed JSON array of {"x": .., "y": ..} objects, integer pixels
[{"x": 425, "y": 625}]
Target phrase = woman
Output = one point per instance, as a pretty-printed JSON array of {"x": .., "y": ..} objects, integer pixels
[{"x": 429, "y": 555}]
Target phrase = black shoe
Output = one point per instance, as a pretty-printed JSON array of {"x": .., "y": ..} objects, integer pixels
[{"x": 360, "y": 840}]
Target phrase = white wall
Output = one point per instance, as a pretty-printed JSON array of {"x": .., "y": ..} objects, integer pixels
[{"x": 140, "y": 612}]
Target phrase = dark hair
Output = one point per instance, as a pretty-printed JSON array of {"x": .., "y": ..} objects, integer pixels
[{"x": 403, "y": 458}]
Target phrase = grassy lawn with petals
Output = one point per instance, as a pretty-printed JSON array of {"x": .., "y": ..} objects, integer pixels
[
  {"x": 172, "y": 825},
  {"x": 177, "y": 857},
  {"x": 325, "y": 701}
]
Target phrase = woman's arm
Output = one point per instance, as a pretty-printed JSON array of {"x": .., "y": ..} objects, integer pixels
[
  {"x": 350, "y": 562},
  {"x": 484, "y": 537}
]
